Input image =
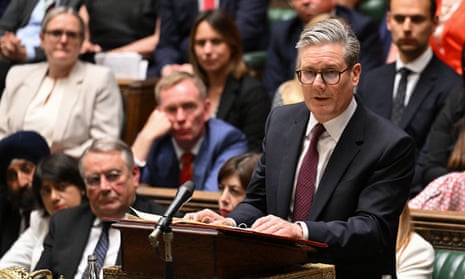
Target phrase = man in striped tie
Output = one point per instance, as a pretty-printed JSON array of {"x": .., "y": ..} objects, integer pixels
[{"x": 111, "y": 179}]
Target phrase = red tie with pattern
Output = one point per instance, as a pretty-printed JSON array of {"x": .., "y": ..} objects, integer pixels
[
  {"x": 305, "y": 188},
  {"x": 186, "y": 168}
]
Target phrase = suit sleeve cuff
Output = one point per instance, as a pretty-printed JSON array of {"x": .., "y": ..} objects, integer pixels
[{"x": 304, "y": 229}]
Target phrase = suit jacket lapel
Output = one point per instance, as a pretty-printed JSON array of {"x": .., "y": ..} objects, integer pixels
[
  {"x": 68, "y": 103},
  {"x": 293, "y": 143},
  {"x": 343, "y": 154},
  {"x": 384, "y": 96},
  {"x": 228, "y": 96},
  {"x": 27, "y": 93}
]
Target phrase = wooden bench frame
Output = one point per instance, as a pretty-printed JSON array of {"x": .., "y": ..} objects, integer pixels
[
  {"x": 443, "y": 229},
  {"x": 164, "y": 196}
]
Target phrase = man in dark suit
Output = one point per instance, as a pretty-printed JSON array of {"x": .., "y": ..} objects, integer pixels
[
  {"x": 281, "y": 54},
  {"x": 429, "y": 80},
  {"x": 177, "y": 18},
  {"x": 111, "y": 179},
  {"x": 363, "y": 165},
  {"x": 181, "y": 124},
  {"x": 19, "y": 32},
  {"x": 19, "y": 154}
]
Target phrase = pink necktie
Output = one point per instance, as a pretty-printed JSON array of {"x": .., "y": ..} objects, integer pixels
[
  {"x": 305, "y": 188},
  {"x": 208, "y": 5}
]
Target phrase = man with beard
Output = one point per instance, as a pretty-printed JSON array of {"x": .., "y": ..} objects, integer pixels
[
  {"x": 19, "y": 154},
  {"x": 410, "y": 91}
]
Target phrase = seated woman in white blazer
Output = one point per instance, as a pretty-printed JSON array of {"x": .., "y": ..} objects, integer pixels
[{"x": 67, "y": 101}]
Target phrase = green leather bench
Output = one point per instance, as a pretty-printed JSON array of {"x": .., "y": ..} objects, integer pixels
[{"x": 449, "y": 264}]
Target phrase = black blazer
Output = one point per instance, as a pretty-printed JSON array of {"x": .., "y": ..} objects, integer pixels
[
  {"x": 245, "y": 104},
  {"x": 68, "y": 236},
  {"x": 359, "y": 198},
  {"x": 10, "y": 221}
]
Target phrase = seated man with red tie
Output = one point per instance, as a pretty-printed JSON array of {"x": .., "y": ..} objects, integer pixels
[
  {"x": 180, "y": 142},
  {"x": 19, "y": 154}
]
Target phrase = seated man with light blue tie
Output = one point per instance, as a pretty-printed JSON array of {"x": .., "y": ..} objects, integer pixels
[
  {"x": 111, "y": 179},
  {"x": 180, "y": 125},
  {"x": 19, "y": 32},
  {"x": 412, "y": 90}
]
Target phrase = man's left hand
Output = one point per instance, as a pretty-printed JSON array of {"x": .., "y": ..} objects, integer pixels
[{"x": 274, "y": 225}]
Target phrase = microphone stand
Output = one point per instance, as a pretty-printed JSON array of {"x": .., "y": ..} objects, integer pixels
[
  {"x": 168, "y": 238},
  {"x": 165, "y": 229}
]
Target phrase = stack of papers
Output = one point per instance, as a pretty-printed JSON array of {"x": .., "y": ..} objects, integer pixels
[{"x": 125, "y": 65}]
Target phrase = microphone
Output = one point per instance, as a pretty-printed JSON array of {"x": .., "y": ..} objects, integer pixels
[{"x": 183, "y": 195}]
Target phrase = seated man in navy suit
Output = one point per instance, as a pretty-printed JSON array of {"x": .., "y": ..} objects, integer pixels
[
  {"x": 331, "y": 170},
  {"x": 19, "y": 154},
  {"x": 111, "y": 179},
  {"x": 282, "y": 54},
  {"x": 427, "y": 84},
  {"x": 180, "y": 142}
]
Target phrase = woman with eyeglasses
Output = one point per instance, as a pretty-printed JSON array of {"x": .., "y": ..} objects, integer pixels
[
  {"x": 57, "y": 185},
  {"x": 70, "y": 103},
  {"x": 215, "y": 52}
]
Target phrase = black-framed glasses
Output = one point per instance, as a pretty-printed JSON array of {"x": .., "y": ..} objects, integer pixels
[
  {"x": 94, "y": 180},
  {"x": 329, "y": 76},
  {"x": 57, "y": 34}
]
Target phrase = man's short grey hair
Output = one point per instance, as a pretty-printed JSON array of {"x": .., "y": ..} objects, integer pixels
[
  {"x": 177, "y": 77},
  {"x": 331, "y": 30},
  {"x": 109, "y": 145}
]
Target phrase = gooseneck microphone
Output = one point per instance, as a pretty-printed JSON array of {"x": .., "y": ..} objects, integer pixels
[{"x": 183, "y": 195}]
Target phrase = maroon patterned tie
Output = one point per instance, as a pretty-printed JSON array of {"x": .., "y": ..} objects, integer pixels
[{"x": 305, "y": 187}]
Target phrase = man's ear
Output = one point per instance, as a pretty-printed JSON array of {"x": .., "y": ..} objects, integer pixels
[{"x": 207, "y": 109}]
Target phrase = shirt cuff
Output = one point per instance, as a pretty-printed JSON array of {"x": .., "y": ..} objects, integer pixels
[
  {"x": 139, "y": 163},
  {"x": 30, "y": 52},
  {"x": 304, "y": 229}
]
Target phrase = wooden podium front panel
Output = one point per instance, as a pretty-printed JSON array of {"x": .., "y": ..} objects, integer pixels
[{"x": 205, "y": 253}]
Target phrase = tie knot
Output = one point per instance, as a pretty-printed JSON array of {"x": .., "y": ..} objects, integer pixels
[
  {"x": 404, "y": 72},
  {"x": 187, "y": 158},
  {"x": 318, "y": 129}
]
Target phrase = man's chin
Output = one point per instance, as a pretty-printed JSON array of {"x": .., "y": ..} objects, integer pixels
[{"x": 23, "y": 199}]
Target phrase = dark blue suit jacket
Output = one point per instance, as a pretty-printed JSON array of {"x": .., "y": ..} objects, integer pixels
[
  {"x": 69, "y": 233},
  {"x": 177, "y": 19},
  {"x": 221, "y": 142},
  {"x": 427, "y": 99},
  {"x": 282, "y": 54},
  {"x": 359, "y": 198}
]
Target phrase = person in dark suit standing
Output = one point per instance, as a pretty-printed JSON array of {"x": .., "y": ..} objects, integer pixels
[
  {"x": 19, "y": 154},
  {"x": 111, "y": 179},
  {"x": 428, "y": 82},
  {"x": 281, "y": 53},
  {"x": 357, "y": 176}
]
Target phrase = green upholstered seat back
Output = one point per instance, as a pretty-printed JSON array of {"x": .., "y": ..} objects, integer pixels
[{"x": 449, "y": 264}]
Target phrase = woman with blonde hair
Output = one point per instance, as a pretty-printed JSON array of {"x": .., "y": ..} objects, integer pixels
[{"x": 414, "y": 255}]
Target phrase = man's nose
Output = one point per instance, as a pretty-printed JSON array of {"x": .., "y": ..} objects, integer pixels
[{"x": 24, "y": 179}]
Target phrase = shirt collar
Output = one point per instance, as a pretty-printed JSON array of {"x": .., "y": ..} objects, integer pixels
[
  {"x": 419, "y": 64},
  {"x": 179, "y": 151},
  {"x": 335, "y": 126}
]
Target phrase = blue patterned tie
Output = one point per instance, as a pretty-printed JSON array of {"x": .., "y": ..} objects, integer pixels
[{"x": 101, "y": 248}]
